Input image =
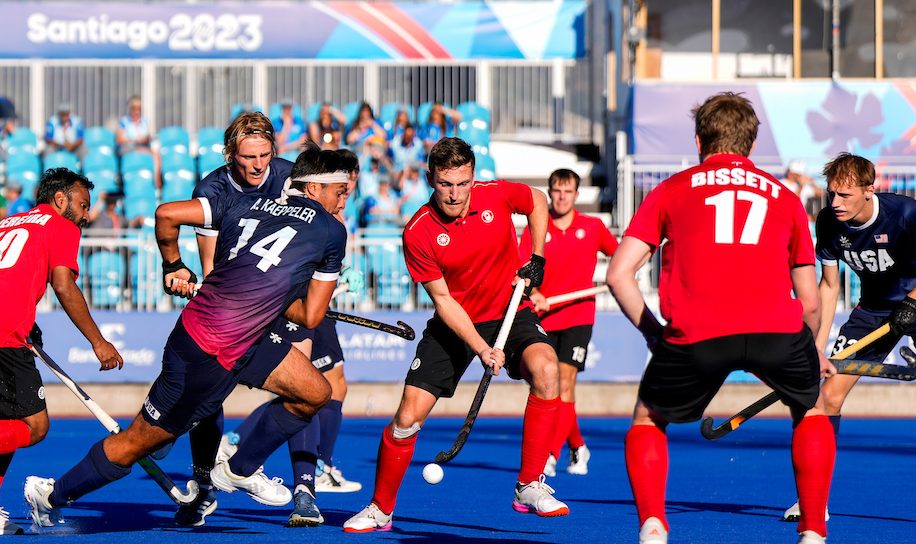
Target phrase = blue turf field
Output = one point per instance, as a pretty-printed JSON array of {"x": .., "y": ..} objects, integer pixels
[{"x": 733, "y": 490}]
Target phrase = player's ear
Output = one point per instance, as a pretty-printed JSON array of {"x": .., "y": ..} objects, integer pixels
[
  {"x": 430, "y": 179},
  {"x": 60, "y": 200}
]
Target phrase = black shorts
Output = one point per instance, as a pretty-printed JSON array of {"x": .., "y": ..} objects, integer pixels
[
  {"x": 861, "y": 322},
  {"x": 681, "y": 380},
  {"x": 572, "y": 345},
  {"x": 326, "y": 351},
  {"x": 22, "y": 393},
  {"x": 442, "y": 357}
]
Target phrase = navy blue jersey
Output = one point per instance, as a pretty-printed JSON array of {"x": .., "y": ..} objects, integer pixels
[
  {"x": 220, "y": 180},
  {"x": 266, "y": 254},
  {"x": 882, "y": 252}
]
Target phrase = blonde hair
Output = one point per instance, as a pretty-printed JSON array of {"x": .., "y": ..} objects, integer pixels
[{"x": 252, "y": 124}]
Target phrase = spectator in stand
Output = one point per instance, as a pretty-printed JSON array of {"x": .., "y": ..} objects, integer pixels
[
  {"x": 105, "y": 215},
  {"x": 327, "y": 129},
  {"x": 7, "y": 123},
  {"x": 414, "y": 192},
  {"x": 364, "y": 127},
  {"x": 383, "y": 208},
  {"x": 16, "y": 201},
  {"x": 439, "y": 124},
  {"x": 806, "y": 188},
  {"x": 289, "y": 128},
  {"x": 406, "y": 149},
  {"x": 134, "y": 133},
  {"x": 64, "y": 131},
  {"x": 369, "y": 179},
  {"x": 401, "y": 120}
]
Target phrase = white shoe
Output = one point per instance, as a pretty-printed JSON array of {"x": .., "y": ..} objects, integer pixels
[
  {"x": 794, "y": 514},
  {"x": 269, "y": 491},
  {"x": 537, "y": 498},
  {"x": 332, "y": 481},
  {"x": 37, "y": 493},
  {"x": 369, "y": 519},
  {"x": 653, "y": 532},
  {"x": 550, "y": 469},
  {"x": 578, "y": 460},
  {"x": 228, "y": 445},
  {"x": 810, "y": 537},
  {"x": 7, "y": 527}
]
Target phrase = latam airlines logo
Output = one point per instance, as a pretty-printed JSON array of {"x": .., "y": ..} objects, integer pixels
[
  {"x": 443, "y": 239},
  {"x": 487, "y": 216}
]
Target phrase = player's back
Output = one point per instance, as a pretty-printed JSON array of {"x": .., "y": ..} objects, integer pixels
[
  {"x": 265, "y": 256},
  {"x": 734, "y": 233}
]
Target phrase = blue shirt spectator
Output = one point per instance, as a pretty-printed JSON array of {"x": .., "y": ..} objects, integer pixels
[
  {"x": 18, "y": 202},
  {"x": 406, "y": 149},
  {"x": 134, "y": 133},
  {"x": 289, "y": 129},
  {"x": 64, "y": 131}
]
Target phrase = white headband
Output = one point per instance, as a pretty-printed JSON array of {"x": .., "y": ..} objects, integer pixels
[{"x": 341, "y": 176}]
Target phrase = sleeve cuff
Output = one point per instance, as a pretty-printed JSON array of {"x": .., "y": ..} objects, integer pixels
[{"x": 326, "y": 276}]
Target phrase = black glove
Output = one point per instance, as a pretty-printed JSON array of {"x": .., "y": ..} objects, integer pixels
[
  {"x": 168, "y": 268},
  {"x": 534, "y": 271},
  {"x": 34, "y": 337},
  {"x": 903, "y": 317}
]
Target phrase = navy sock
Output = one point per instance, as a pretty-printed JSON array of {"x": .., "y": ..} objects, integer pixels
[
  {"x": 91, "y": 473},
  {"x": 835, "y": 421},
  {"x": 250, "y": 422},
  {"x": 204, "y": 443},
  {"x": 303, "y": 453},
  {"x": 275, "y": 426},
  {"x": 331, "y": 416}
]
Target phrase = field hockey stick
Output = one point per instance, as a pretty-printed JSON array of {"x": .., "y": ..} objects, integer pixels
[
  {"x": 446, "y": 456},
  {"x": 876, "y": 370},
  {"x": 402, "y": 329},
  {"x": 156, "y": 473},
  {"x": 582, "y": 293},
  {"x": 711, "y": 432}
]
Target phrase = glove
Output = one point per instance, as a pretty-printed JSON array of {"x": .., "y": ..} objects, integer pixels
[
  {"x": 169, "y": 268},
  {"x": 904, "y": 316},
  {"x": 354, "y": 280},
  {"x": 533, "y": 271},
  {"x": 35, "y": 338}
]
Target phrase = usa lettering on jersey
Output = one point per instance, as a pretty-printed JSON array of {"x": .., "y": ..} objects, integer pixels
[
  {"x": 735, "y": 176},
  {"x": 874, "y": 261}
]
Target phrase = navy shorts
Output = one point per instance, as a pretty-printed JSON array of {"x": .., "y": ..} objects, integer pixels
[
  {"x": 191, "y": 386},
  {"x": 326, "y": 351},
  {"x": 681, "y": 379},
  {"x": 22, "y": 393},
  {"x": 860, "y": 323},
  {"x": 572, "y": 345},
  {"x": 442, "y": 357}
]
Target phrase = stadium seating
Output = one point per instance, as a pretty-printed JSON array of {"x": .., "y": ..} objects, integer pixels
[
  {"x": 473, "y": 111},
  {"x": 209, "y": 162},
  {"x": 474, "y": 135},
  {"x": 136, "y": 162},
  {"x": 178, "y": 184},
  {"x": 105, "y": 181},
  {"x": 276, "y": 109},
  {"x": 62, "y": 159},
  {"x": 174, "y": 140},
  {"x": 290, "y": 155},
  {"x": 177, "y": 161},
  {"x": 389, "y": 112},
  {"x": 351, "y": 112},
  {"x": 21, "y": 141},
  {"x": 99, "y": 140},
  {"x": 210, "y": 140},
  {"x": 25, "y": 169},
  {"x": 96, "y": 160},
  {"x": 311, "y": 115},
  {"x": 241, "y": 107},
  {"x": 385, "y": 263},
  {"x": 146, "y": 264},
  {"x": 106, "y": 270},
  {"x": 485, "y": 167},
  {"x": 142, "y": 205}
]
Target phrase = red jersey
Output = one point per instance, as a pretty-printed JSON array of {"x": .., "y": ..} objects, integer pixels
[
  {"x": 32, "y": 244},
  {"x": 476, "y": 254},
  {"x": 572, "y": 256},
  {"x": 732, "y": 235}
]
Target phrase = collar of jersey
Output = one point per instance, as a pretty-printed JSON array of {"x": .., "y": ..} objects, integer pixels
[
  {"x": 871, "y": 221},
  {"x": 241, "y": 189},
  {"x": 438, "y": 216},
  {"x": 725, "y": 158}
]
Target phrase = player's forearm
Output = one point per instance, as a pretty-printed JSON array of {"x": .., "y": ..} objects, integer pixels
[
  {"x": 537, "y": 222},
  {"x": 456, "y": 319},
  {"x": 828, "y": 293},
  {"x": 626, "y": 291},
  {"x": 73, "y": 302},
  {"x": 206, "y": 248}
]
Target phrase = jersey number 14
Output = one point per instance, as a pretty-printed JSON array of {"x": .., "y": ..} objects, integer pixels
[
  {"x": 269, "y": 248},
  {"x": 724, "y": 203}
]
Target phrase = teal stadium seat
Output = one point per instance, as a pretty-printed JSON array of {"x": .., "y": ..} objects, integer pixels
[
  {"x": 178, "y": 184},
  {"x": 139, "y": 206},
  {"x": 311, "y": 114},
  {"x": 241, "y": 107},
  {"x": 146, "y": 277},
  {"x": 21, "y": 141},
  {"x": 209, "y": 162},
  {"x": 99, "y": 140},
  {"x": 25, "y": 169},
  {"x": 210, "y": 140},
  {"x": 136, "y": 162},
  {"x": 106, "y": 273},
  {"x": 474, "y": 111},
  {"x": 174, "y": 140},
  {"x": 351, "y": 112},
  {"x": 475, "y": 136},
  {"x": 389, "y": 113},
  {"x": 177, "y": 161},
  {"x": 96, "y": 160},
  {"x": 105, "y": 181},
  {"x": 485, "y": 167},
  {"x": 276, "y": 109},
  {"x": 424, "y": 109},
  {"x": 62, "y": 159}
]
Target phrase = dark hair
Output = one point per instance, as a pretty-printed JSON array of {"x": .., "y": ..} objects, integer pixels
[
  {"x": 562, "y": 174},
  {"x": 59, "y": 179},
  {"x": 314, "y": 160},
  {"x": 450, "y": 153},
  {"x": 726, "y": 123},
  {"x": 852, "y": 169},
  {"x": 349, "y": 160}
]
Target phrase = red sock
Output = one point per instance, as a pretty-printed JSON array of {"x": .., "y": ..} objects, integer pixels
[
  {"x": 538, "y": 432},
  {"x": 646, "y": 451},
  {"x": 574, "y": 439},
  {"x": 813, "y": 456},
  {"x": 564, "y": 420},
  {"x": 394, "y": 456},
  {"x": 14, "y": 434}
]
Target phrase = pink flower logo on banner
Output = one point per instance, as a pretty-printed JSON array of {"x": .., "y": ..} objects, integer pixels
[{"x": 841, "y": 124}]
